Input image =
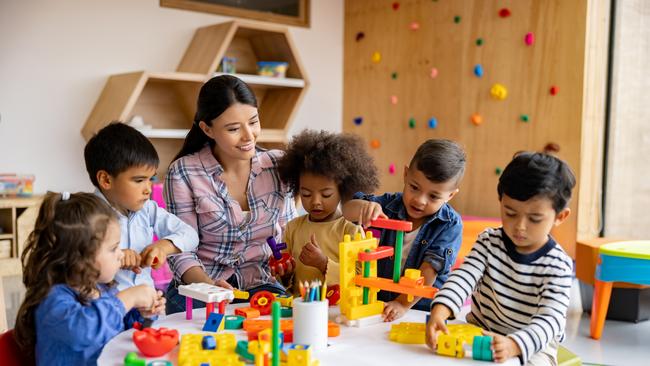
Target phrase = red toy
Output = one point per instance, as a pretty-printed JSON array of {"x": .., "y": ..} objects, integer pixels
[
  {"x": 333, "y": 295},
  {"x": 283, "y": 262},
  {"x": 262, "y": 301},
  {"x": 155, "y": 342}
]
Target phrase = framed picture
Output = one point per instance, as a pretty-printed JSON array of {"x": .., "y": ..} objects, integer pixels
[{"x": 290, "y": 12}]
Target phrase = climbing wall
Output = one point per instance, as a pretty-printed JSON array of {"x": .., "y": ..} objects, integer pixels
[{"x": 497, "y": 76}]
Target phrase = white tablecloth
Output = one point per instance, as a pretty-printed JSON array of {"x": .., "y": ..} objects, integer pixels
[{"x": 354, "y": 347}]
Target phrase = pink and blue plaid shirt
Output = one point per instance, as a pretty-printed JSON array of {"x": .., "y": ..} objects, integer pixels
[{"x": 230, "y": 243}]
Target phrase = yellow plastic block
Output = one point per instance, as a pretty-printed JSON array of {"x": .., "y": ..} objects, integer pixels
[
  {"x": 191, "y": 351},
  {"x": 363, "y": 311},
  {"x": 407, "y": 333},
  {"x": 412, "y": 273},
  {"x": 447, "y": 345},
  {"x": 348, "y": 256},
  {"x": 286, "y": 301},
  {"x": 300, "y": 356}
]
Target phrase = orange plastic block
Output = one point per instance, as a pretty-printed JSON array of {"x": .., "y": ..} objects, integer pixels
[
  {"x": 379, "y": 253},
  {"x": 397, "y": 225},
  {"x": 387, "y": 284},
  {"x": 260, "y": 324},
  {"x": 409, "y": 282},
  {"x": 248, "y": 313},
  {"x": 333, "y": 329}
]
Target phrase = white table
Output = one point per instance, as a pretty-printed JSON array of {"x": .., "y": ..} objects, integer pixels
[{"x": 355, "y": 346}]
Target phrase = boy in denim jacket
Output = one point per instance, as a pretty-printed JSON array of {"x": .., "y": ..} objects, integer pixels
[{"x": 430, "y": 181}]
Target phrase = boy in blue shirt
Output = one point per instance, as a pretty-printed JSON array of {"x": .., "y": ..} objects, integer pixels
[
  {"x": 430, "y": 181},
  {"x": 121, "y": 163}
]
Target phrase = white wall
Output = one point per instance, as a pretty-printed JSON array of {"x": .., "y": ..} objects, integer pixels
[{"x": 55, "y": 57}]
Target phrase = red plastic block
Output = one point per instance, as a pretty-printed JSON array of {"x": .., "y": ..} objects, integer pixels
[
  {"x": 155, "y": 342},
  {"x": 262, "y": 301},
  {"x": 390, "y": 224},
  {"x": 379, "y": 253}
]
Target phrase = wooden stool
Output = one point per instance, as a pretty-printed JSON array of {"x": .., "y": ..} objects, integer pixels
[{"x": 627, "y": 261}]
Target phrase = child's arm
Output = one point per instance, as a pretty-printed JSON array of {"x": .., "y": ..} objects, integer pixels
[
  {"x": 395, "y": 309},
  {"x": 131, "y": 260},
  {"x": 439, "y": 315},
  {"x": 176, "y": 236},
  {"x": 362, "y": 211}
]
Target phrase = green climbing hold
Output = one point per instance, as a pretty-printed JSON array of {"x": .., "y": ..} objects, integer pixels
[
  {"x": 412, "y": 122},
  {"x": 479, "y": 41},
  {"x": 393, "y": 76},
  {"x": 457, "y": 19},
  {"x": 524, "y": 118},
  {"x": 498, "y": 171}
]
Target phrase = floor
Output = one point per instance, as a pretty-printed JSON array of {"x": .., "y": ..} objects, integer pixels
[{"x": 621, "y": 344}]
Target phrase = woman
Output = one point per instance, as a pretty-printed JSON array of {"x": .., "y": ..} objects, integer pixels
[{"x": 229, "y": 190}]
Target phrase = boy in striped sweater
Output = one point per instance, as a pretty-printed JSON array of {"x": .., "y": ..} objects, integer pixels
[{"x": 518, "y": 275}]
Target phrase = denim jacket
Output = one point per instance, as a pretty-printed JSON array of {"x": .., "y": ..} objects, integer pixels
[{"x": 437, "y": 243}]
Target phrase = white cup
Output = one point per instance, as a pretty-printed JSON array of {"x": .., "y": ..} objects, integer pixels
[{"x": 310, "y": 323}]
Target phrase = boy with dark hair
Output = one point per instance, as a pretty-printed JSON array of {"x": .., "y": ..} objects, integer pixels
[
  {"x": 121, "y": 163},
  {"x": 518, "y": 276},
  {"x": 430, "y": 181}
]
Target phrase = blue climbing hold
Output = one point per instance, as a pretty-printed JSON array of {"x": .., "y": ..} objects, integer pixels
[
  {"x": 478, "y": 70},
  {"x": 358, "y": 121},
  {"x": 433, "y": 122}
]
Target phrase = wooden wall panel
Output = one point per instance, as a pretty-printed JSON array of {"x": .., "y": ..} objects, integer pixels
[{"x": 556, "y": 58}]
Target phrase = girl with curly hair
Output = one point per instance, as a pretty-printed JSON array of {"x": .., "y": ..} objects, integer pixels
[
  {"x": 323, "y": 169},
  {"x": 71, "y": 308}
]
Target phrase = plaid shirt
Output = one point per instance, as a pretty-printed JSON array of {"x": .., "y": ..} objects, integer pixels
[{"x": 230, "y": 243}]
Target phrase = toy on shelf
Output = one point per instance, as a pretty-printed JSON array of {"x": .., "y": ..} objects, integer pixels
[
  {"x": 209, "y": 294},
  {"x": 155, "y": 342},
  {"x": 228, "y": 65},
  {"x": 12, "y": 185},
  {"x": 279, "y": 259},
  {"x": 359, "y": 304},
  {"x": 272, "y": 68}
]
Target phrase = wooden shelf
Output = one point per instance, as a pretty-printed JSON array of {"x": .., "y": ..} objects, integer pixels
[
  {"x": 256, "y": 80},
  {"x": 6, "y": 236},
  {"x": 167, "y": 100}
]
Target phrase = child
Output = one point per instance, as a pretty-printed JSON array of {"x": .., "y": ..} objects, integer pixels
[
  {"x": 121, "y": 163},
  {"x": 324, "y": 169},
  {"x": 519, "y": 277},
  {"x": 430, "y": 181},
  {"x": 71, "y": 308}
]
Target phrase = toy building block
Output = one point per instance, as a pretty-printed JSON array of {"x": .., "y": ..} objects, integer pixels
[
  {"x": 333, "y": 295},
  {"x": 388, "y": 285},
  {"x": 155, "y": 342},
  {"x": 389, "y": 224},
  {"x": 286, "y": 312},
  {"x": 234, "y": 321},
  {"x": 285, "y": 300},
  {"x": 209, "y": 342},
  {"x": 248, "y": 313},
  {"x": 407, "y": 333},
  {"x": 192, "y": 353},
  {"x": 481, "y": 348},
  {"x": 239, "y": 294},
  {"x": 278, "y": 259},
  {"x": 209, "y": 294},
  {"x": 214, "y": 323},
  {"x": 132, "y": 359},
  {"x": 276, "y": 247},
  {"x": 262, "y": 301},
  {"x": 379, "y": 253},
  {"x": 300, "y": 355},
  {"x": 242, "y": 351},
  {"x": 362, "y": 321},
  {"x": 447, "y": 345}
]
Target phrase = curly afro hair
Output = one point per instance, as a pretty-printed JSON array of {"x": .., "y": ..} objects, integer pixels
[{"x": 340, "y": 157}]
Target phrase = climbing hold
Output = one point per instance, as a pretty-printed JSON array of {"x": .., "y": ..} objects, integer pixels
[
  {"x": 524, "y": 118},
  {"x": 477, "y": 119},
  {"x": 434, "y": 73},
  {"x": 393, "y": 99},
  {"x": 499, "y": 91},
  {"x": 394, "y": 75},
  {"x": 375, "y": 144},
  {"x": 358, "y": 121},
  {"x": 360, "y": 36},
  {"x": 414, "y": 26},
  {"x": 504, "y": 13},
  {"x": 395, "y": 5},
  {"x": 551, "y": 148},
  {"x": 478, "y": 70},
  {"x": 457, "y": 19},
  {"x": 498, "y": 171},
  {"x": 554, "y": 90},
  {"x": 529, "y": 38},
  {"x": 391, "y": 168},
  {"x": 412, "y": 122},
  {"x": 479, "y": 41},
  {"x": 376, "y": 57},
  {"x": 433, "y": 122}
]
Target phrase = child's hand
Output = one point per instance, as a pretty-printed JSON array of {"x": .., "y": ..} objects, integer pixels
[
  {"x": 158, "y": 307},
  {"x": 222, "y": 283},
  {"x": 139, "y": 297},
  {"x": 155, "y": 254},
  {"x": 439, "y": 314},
  {"x": 312, "y": 255},
  {"x": 131, "y": 261},
  {"x": 291, "y": 266},
  {"x": 503, "y": 348},
  {"x": 370, "y": 211},
  {"x": 394, "y": 310}
]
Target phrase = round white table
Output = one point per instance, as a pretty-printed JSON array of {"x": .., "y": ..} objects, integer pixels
[{"x": 355, "y": 346}]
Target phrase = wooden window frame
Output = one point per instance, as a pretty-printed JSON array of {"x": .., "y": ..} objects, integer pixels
[{"x": 302, "y": 20}]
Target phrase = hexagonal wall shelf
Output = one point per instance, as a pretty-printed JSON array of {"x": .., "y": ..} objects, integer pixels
[{"x": 167, "y": 101}]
